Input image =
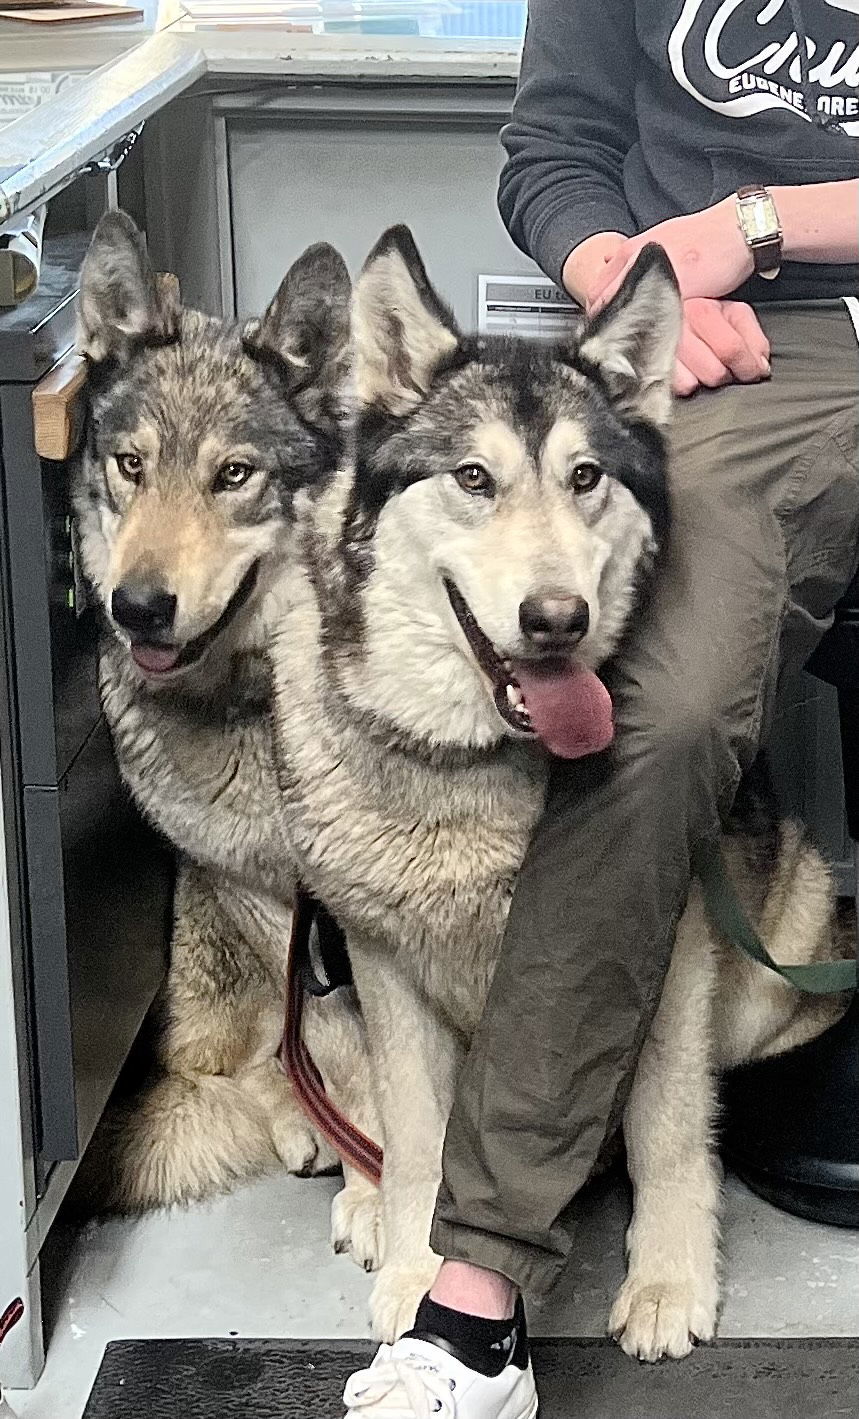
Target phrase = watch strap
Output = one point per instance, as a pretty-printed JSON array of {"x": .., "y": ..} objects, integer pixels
[{"x": 766, "y": 255}]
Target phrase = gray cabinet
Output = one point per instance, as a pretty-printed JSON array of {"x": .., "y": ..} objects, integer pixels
[
  {"x": 282, "y": 166},
  {"x": 426, "y": 157}
]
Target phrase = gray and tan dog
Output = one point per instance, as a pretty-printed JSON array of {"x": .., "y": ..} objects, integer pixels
[
  {"x": 200, "y": 435},
  {"x": 462, "y": 581}
]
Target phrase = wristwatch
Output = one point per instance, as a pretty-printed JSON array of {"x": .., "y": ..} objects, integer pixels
[{"x": 759, "y": 224}]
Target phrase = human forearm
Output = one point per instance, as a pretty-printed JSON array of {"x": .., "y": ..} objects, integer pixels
[{"x": 820, "y": 221}]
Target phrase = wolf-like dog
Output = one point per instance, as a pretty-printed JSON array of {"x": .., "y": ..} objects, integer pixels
[
  {"x": 463, "y": 579},
  {"x": 199, "y": 436}
]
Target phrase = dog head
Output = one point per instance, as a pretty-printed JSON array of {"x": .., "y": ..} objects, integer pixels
[
  {"x": 199, "y": 436},
  {"x": 508, "y": 497}
]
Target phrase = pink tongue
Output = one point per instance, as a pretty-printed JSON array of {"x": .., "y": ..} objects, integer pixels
[
  {"x": 154, "y": 659},
  {"x": 570, "y": 707}
]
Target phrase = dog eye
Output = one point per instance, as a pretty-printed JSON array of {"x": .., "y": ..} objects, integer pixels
[
  {"x": 474, "y": 479},
  {"x": 130, "y": 466},
  {"x": 232, "y": 475},
  {"x": 585, "y": 477}
]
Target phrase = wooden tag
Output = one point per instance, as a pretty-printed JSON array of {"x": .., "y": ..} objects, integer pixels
[{"x": 58, "y": 409}]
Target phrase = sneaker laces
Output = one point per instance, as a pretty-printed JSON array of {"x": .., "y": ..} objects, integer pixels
[{"x": 405, "y": 1384}]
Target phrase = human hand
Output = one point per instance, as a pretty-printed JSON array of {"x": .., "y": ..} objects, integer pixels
[
  {"x": 722, "y": 343},
  {"x": 707, "y": 250}
]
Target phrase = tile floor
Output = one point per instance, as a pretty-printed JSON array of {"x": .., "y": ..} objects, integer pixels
[{"x": 258, "y": 1263}]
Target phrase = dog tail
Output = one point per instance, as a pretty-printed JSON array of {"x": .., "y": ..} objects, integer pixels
[{"x": 184, "y": 1138}]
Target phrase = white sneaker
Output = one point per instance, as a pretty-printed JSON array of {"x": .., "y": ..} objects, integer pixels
[{"x": 415, "y": 1379}]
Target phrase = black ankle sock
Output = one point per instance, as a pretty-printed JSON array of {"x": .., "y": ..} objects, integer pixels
[{"x": 483, "y": 1345}]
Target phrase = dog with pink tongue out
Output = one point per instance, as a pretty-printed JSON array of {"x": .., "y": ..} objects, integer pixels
[
  {"x": 461, "y": 581},
  {"x": 464, "y": 578}
]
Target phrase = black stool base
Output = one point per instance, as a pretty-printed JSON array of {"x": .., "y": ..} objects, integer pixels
[
  {"x": 834, "y": 1206},
  {"x": 791, "y": 1127}
]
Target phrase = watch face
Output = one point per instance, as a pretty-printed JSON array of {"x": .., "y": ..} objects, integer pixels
[{"x": 759, "y": 218}]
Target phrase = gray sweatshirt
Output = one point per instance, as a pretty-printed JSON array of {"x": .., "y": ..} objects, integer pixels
[{"x": 632, "y": 111}]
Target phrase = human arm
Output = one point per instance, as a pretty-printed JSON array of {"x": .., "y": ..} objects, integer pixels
[
  {"x": 722, "y": 340},
  {"x": 572, "y": 126},
  {"x": 819, "y": 221}
]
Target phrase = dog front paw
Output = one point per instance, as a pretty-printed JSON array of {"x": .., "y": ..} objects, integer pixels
[
  {"x": 397, "y": 1294},
  {"x": 658, "y": 1320},
  {"x": 357, "y": 1224}
]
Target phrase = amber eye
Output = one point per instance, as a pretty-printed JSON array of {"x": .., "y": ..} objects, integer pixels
[
  {"x": 130, "y": 466},
  {"x": 231, "y": 476},
  {"x": 585, "y": 477},
  {"x": 472, "y": 478}
]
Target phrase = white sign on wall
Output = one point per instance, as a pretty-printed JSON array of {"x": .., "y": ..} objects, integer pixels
[{"x": 524, "y": 305}]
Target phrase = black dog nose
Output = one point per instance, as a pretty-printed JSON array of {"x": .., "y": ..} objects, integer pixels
[
  {"x": 554, "y": 621},
  {"x": 143, "y": 609}
]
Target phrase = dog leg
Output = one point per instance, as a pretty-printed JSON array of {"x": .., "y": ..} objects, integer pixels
[
  {"x": 415, "y": 1057},
  {"x": 670, "y": 1295},
  {"x": 335, "y": 1035}
]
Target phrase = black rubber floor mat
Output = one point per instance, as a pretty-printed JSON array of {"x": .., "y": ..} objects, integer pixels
[{"x": 577, "y": 1379}]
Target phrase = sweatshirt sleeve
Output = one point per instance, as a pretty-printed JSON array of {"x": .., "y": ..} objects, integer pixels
[{"x": 573, "y": 123}]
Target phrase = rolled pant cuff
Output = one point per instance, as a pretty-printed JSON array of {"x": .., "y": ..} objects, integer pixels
[{"x": 532, "y": 1270}]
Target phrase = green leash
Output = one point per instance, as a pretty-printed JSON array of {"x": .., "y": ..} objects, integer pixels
[{"x": 727, "y": 915}]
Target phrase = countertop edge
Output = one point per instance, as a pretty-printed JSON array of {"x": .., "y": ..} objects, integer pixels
[{"x": 38, "y": 152}]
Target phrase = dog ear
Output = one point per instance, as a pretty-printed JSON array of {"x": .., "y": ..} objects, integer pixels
[
  {"x": 306, "y": 329},
  {"x": 402, "y": 329},
  {"x": 633, "y": 340},
  {"x": 120, "y": 297}
]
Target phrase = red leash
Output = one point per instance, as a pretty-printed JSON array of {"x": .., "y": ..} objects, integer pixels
[
  {"x": 353, "y": 1146},
  {"x": 10, "y": 1317}
]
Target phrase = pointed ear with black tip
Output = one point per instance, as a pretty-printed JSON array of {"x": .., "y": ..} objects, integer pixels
[
  {"x": 120, "y": 299},
  {"x": 306, "y": 329},
  {"x": 633, "y": 340},
  {"x": 403, "y": 331}
]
